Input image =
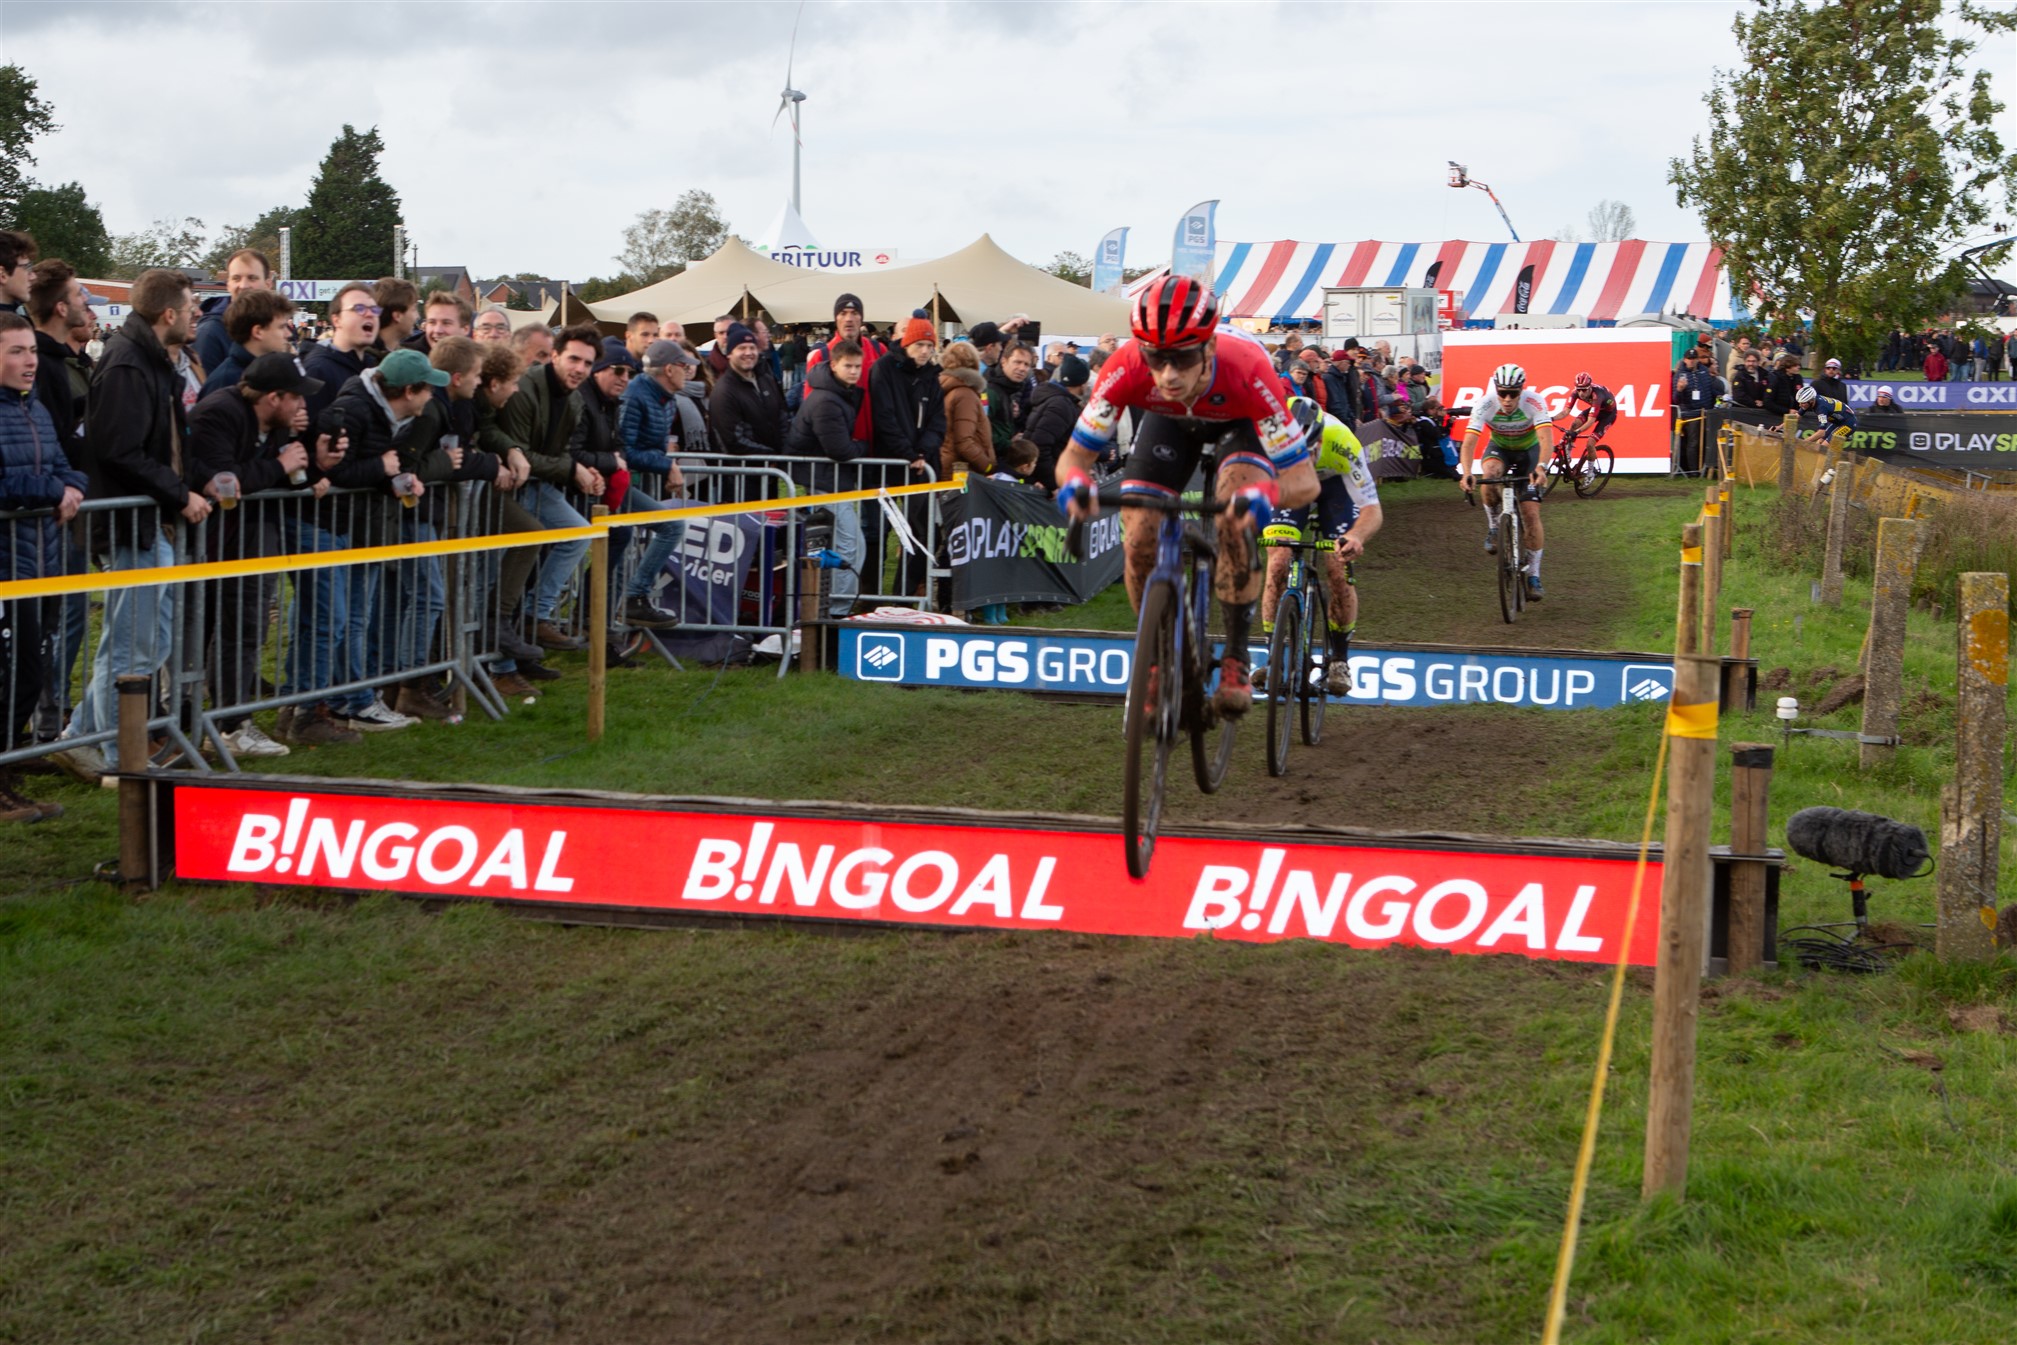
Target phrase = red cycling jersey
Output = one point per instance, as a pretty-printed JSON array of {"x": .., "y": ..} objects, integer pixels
[{"x": 1244, "y": 386}]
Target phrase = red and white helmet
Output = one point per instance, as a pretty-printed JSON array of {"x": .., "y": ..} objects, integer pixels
[{"x": 1175, "y": 312}]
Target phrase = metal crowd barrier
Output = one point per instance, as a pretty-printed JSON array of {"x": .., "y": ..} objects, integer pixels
[{"x": 222, "y": 649}]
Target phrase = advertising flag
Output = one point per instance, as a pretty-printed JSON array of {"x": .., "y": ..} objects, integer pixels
[
  {"x": 1197, "y": 236},
  {"x": 1523, "y": 290},
  {"x": 1109, "y": 262}
]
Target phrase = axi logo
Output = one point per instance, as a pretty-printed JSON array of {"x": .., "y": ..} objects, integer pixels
[
  {"x": 1648, "y": 682},
  {"x": 879, "y": 658}
]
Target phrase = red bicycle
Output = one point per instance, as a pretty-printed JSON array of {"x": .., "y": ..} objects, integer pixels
[{"x": 1588, "y": 471}]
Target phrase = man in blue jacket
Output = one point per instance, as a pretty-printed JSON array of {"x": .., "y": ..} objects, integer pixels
[{"x": 34, "y": 474}]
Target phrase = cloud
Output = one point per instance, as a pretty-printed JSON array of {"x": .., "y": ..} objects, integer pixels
[{"x": 525, "y": 136}]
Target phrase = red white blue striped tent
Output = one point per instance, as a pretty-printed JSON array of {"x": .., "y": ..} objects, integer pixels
[{"x": 1602, "y": 282}]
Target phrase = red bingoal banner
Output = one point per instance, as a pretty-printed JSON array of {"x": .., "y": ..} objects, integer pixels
[{"x": 963, "y": 872}]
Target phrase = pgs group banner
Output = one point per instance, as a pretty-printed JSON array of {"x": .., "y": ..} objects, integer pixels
[
  {"x": 1547, "y": 903},
  {"x": 1006, "y": 543},
  {"x": 1632, "y": 362}
]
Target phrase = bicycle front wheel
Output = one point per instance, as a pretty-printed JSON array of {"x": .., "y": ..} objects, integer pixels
[
  {"x": 1153, "y": 687},
  {"x": 1593, "y": 472},
  {"x": 1285, "y": 675},
  {"x": 1558, "y": 467},
  {"x": 1509, "y": 573},
  {"x": 1312, "y": 693}
]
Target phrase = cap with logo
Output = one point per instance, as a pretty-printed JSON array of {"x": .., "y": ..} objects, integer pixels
[
  {"x": 845, "y": 303},
  {"x": 278, "y": 372}
]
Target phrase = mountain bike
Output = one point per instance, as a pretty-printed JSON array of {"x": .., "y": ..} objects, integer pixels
[
  {"x": 1512, "y": 555},
  {"x": 1590, "y": 471},
  {"x": 1297, "y": 652},
  {"x": 1169, "y": 686}
]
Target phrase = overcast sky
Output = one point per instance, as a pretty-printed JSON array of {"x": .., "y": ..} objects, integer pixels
[{"x": 523, "y": 137}]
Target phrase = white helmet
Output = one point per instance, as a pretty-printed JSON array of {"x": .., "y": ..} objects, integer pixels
[
  {"x": 1509, "y": 378},
  {"x": 1805, "y": 395}
]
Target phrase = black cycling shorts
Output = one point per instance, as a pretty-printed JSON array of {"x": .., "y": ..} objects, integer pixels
[
  {"x": 1519, "y": 461},
  {"x": 1335, "y": 511},
  {"x": 1167, "y": 450}
]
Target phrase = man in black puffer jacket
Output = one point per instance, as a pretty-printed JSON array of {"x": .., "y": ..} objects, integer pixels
[
  {"x": 824, "y": 432},
  {"x": 1052, "y": 413},
  {"x": 907, "y": 411}
]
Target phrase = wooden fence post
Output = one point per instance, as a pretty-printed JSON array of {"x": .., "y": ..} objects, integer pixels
[
  {"x": 1728, "y": 502},
  {"x": 1739, "y": 692},
  {"x": 1884, "y": 664},
  {"x": 1971, "y": 821},
  {"x": 136, "y": 700},
  {"x": 1712, "y": 567},
  {"x": 1750, "y": 810},
  {"x": 598, "y": 625},
  {"x": 1841, "y": 493},
  {"x": 1789, "y": 434},
  {"x": 1684, "y": 888}
]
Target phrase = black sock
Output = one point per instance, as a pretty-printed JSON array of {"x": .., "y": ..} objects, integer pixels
[
  {"x": 1239, "y": 622},
  {"x": 1341, "y": 641}
]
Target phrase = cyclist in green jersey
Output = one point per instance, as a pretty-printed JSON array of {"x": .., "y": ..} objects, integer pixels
[
  {"x": 1522, "y": 440},
  {"x": 1348, "y": 513}
]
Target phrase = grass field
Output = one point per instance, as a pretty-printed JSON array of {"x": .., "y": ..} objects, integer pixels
[{"x": 231, "y": 1115}]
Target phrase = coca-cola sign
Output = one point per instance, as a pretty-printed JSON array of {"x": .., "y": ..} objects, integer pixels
[{"x": 956, "y": 873}]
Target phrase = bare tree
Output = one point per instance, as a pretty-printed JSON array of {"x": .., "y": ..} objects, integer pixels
[
  {"x": 661, "y": 242},
  {"x": 1611, "y": 222}
]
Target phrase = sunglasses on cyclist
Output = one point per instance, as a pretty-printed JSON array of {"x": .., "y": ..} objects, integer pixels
[{"x": 1189, "y": 357}]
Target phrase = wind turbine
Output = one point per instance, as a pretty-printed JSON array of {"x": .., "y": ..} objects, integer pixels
[{"x": 789, "y": 101}]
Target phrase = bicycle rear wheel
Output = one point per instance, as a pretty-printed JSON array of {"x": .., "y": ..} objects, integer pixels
[
  {"x": 1509, "y": 573},
  {"x": 1593, "y": 472},
  {"x": 1285, "y": 675},
  {"x": 1153, "y": 687},
  {"x": 1211, "y": 732},
  {"x": 1312, "y": 695}
]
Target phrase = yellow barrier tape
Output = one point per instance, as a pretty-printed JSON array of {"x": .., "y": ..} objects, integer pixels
[
  {"x": 106, "y": 580},
  {"x": 1691, "y": 721},
  {"x": 1712, "y": 510},
  {"x": 1691, "y": 555},
  {"x": 1586, "y": 1151}
]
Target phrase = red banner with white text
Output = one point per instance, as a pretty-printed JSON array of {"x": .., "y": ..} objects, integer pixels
[
  {"x": 1635, "y": 363},
  {"x": 951, "y": 874}
]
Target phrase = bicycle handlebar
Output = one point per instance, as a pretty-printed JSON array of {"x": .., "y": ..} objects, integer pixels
[{"x": 1075, "y": 531}]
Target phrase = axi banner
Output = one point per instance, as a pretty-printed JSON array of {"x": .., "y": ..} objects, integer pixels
[
  {"x": 1196, "y": 239},
  {"x": 1543, "y": 901},
  {"x": 1631, "y": 361},
  {"x": 1006, "y": 543},
  {"x": 1109, "y": 262},
  {"x": 1936, "y": 396},
  {"x": 1982, "y": 442}
]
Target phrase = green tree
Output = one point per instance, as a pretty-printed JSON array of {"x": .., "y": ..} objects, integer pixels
[
  {"x": 660, "y": 242},
  {"x": 1070, "y": 266},
  {"x": 1845, "y": 156},
  {"x": 64, "y": 224},
  {"x": 23, "y": 116},
  {"x": 262, "y": 235},
  {"x": 168, "y": 242},
  {"x": 345, "y": 230}
]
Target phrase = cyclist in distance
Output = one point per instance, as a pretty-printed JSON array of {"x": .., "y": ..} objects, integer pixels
[
  {"x": 1522, "y": 441},
  {"x": 1593, "y": 399},
  {"x": 1835, "y": 415},
  {"x": 1348, "y": 513},
  {"x": 1200, "y": 389}
]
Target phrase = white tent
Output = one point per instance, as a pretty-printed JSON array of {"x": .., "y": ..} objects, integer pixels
[
  {"x": 978, "y": 283},
  {"x": 786, "y": 231},
  {"x": 707, "y": 289}
]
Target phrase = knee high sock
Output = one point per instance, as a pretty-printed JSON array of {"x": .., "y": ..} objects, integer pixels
[{"x": 1239, "y": 625}]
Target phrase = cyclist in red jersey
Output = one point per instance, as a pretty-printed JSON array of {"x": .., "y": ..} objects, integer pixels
[
  {"x": 1593, "y": 399},
  {"x": 1200, "y": 389}
]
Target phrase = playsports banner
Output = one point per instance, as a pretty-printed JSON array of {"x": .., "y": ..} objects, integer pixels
[
  {"x": 1634, "y": 363},
  {"x": 1006, "y": 543},
  {"x": 1092, "y": 663},
  {"x": 948, "y": 871}
]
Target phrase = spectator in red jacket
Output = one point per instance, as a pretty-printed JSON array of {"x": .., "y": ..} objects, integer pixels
[{"x": 1936, "y": 365}]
